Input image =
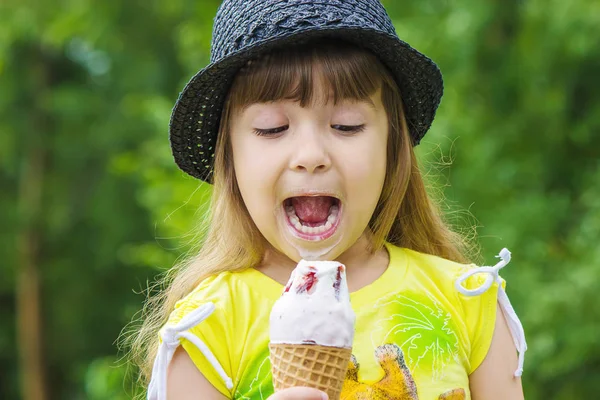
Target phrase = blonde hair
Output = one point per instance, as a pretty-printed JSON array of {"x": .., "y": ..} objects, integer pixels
[{"x": 404, "y": 216}]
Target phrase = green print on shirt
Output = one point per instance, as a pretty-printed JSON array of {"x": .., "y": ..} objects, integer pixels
[
  {"x": 256, "y": 383},
  {"x": 422, "y": 328}
]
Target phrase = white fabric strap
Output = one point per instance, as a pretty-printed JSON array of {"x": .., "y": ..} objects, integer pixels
[
  {"x": 492, "y": 275},
  {"x": 171, "y": 339}
]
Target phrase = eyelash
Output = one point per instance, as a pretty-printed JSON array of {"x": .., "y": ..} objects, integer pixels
[
  {"x": 349, "y": 128},
  {"x": 270, "y": 132},
  {"x": 342, "y": 128}
]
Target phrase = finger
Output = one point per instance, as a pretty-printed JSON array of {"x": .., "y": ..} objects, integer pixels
[{"x": 299, "y": 393}]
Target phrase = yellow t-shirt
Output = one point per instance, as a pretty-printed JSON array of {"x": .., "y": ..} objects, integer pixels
[{"x": 416, "y": 336}]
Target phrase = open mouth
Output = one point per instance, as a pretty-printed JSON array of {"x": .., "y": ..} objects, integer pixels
[{"x": 313, "y": 217}]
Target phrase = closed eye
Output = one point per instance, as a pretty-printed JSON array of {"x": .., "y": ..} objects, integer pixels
[
  {"x": 270, "y": 132},
  {"x": 349, "y": 128},
  {"x": 279, "y": 129}
]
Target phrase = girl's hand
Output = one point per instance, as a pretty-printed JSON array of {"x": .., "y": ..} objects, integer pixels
[{"x": 299, "y": 393}]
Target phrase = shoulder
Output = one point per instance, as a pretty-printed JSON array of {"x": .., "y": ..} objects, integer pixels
[
  {"x": 235, "y": 297},
  {"x": 226, "y": 291},
  {"x": 215, "y": 289},
  {"x": 450, "y": 279},
  {"x": 437, "y": 270}
]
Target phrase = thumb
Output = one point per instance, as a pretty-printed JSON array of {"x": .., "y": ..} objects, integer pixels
[{"x": 299, "y": 393}]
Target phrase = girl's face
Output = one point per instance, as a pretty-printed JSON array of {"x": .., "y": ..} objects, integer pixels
[{"x": 311, "y": 176}]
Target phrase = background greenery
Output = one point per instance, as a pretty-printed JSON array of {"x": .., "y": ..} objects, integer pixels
[{"x": 92, "y": 206}]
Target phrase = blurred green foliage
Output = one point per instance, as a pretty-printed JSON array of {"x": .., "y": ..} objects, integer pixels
[{"x": 92, "y": 84}]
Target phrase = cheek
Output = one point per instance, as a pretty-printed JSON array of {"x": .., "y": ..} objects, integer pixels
[
  {"x": 369, "y": 164},
  {"x": 366, "y": 176},
  {"x": 255, "y": 178}
]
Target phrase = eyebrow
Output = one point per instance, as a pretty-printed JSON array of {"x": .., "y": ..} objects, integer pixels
[{"x": 366, "y": 100}]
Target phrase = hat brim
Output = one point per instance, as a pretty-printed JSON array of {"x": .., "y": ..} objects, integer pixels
[{"x": 196, "y": 116}]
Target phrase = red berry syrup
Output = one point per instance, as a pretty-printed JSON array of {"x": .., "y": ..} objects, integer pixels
[{"x": 309, "y": 282}]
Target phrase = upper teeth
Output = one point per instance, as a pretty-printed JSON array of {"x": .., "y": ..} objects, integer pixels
[{"x": 331, "y": 219}]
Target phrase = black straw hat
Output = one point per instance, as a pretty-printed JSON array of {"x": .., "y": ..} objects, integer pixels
[{"x": 245, "y": 29}]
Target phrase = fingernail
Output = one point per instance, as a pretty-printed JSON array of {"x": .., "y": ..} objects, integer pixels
[{"x": 324, "y": 396}]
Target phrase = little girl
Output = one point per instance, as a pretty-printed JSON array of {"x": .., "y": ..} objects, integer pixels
[{"x": 305, "y": 123}]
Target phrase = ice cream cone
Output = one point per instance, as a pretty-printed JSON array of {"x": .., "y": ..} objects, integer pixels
[{"x": 316, "y": 366}]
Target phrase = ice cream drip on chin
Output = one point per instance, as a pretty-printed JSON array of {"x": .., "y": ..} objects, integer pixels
[
  {"x": 314, "y": 307},
  {"x": 316, "y": 254}
]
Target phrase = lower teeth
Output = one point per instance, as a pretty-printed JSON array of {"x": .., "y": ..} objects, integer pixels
[{"x": 333, "y": 214}]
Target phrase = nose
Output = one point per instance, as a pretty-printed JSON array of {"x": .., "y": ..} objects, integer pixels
[{"x": 310, "y": 152}]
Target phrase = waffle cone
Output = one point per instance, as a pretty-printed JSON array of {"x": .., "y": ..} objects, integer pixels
[{"x": 319, "y": 367}]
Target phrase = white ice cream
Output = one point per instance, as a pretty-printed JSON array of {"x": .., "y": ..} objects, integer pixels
[{"x": 314, "y": 307}]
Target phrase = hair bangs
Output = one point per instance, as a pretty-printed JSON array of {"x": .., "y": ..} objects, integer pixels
[{"x": 310, "y": 75}]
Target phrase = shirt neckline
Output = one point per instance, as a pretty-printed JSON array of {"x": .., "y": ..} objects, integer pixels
[{"x": 391, "y": 279}]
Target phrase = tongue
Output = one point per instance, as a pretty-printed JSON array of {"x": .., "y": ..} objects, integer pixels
[{"x": 312, "y": 209}]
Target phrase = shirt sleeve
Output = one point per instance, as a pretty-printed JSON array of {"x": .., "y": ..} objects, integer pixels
[
  {"x": 480, "y": 317},
  {"x": 213, "y": 332}
]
